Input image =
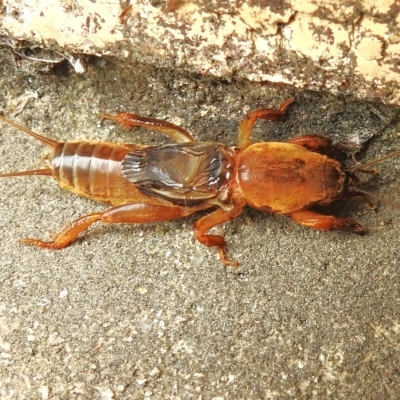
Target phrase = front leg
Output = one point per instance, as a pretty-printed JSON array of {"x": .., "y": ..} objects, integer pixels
[
  {"x": 326, "y": 222},
  {"x": 317, "y": 144},
  {"x": 126, "y": 213}
]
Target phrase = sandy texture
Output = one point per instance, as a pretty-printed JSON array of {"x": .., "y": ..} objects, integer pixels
[{"x": 134, "y": 312}]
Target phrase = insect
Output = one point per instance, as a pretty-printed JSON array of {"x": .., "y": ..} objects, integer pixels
[{"x": 160, "y": 183}]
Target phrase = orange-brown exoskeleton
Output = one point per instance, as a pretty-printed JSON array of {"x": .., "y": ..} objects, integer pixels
[{"x": 160, "y": 183}]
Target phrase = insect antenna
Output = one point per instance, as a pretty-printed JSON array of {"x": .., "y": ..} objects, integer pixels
[
  {"x": 364, "y": 169},
  {"x": 361, "y": 167},
  {"x": 42, "y": 171},
  {"x": 381, "y": 199},
  {"x": 47, "y": 141}
]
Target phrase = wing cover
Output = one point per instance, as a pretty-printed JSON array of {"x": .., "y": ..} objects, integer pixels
[{"x": 184, "y": 173}]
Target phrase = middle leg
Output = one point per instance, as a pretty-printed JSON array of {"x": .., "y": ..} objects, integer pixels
[
  {"x": 246, "y": 126},
  {"x": 207, "y": 222}
]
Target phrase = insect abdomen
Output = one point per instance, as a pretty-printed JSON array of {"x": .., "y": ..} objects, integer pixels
[{"x": 93, "y": 169}]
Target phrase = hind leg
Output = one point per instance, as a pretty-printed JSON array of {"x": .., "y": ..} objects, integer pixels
[
  {"x": 127, "y": 213},
  {"x": 175, "y": 132}
]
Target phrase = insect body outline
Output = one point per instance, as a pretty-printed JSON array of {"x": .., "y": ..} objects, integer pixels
[{"x": 159, "y": 183}]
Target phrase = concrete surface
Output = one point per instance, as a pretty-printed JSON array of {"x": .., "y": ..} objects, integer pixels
[
  {"x": 146, "y": 312},
  {"x": 313, "y": 44}
]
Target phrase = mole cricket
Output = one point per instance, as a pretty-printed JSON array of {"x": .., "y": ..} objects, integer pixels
[{"x": 159, "y": 183}]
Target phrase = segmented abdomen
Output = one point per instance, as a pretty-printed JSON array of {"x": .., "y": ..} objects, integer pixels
[{"x": 93, "y": 169}]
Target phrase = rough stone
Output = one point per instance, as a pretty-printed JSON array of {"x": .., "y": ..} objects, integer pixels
[{"x": 316, "y": 45}]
